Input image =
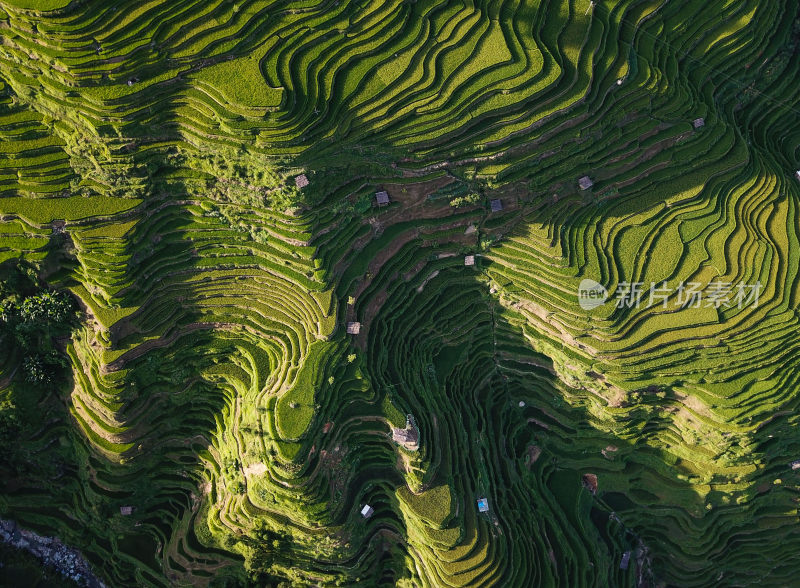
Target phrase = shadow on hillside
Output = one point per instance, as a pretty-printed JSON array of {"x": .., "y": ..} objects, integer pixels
[
  {"x": 461, "y": 365},
  {"x": 462, "y": 375}
]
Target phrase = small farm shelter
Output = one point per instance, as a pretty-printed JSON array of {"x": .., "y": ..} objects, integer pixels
[
  {"x": 483, "y": 505},
  {"x": 408, "y": 437},
  {"x": 585, "y": 183},
  {"x": 353, "y": 328},
  {"x": 699, "y": 122},
  {"x": 404, "y": 436},
  {"x": 301, "y": 181},
  {"x": 797, "y": 174},
  {"x": 496, "y": 204},
  {"x": 126, "y": 510},
  {"x": 382, "y": 198},
  {"x": 367, "y": 511},
  {"x": 469, "y": 260},
  {"x": 626, "y": 558}
]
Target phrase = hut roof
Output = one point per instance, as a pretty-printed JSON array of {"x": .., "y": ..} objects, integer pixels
[{"x": 405, "y": 436}]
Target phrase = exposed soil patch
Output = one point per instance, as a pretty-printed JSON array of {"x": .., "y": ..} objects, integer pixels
[
  {"x": 433, "y": 274},
  {"x": 532, "y": 454},
  {"x": 610, "y": 451},
  {"x": 589, "y": 482},
  {"x": 255, "y": 469},
  {"x": 539, "y": 423}
]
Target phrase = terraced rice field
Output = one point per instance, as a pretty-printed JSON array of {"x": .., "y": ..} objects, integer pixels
[{"x": 147, "y": 165}]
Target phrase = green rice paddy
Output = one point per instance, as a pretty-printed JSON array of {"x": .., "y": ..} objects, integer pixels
[{"x": 147, "y": 165}]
